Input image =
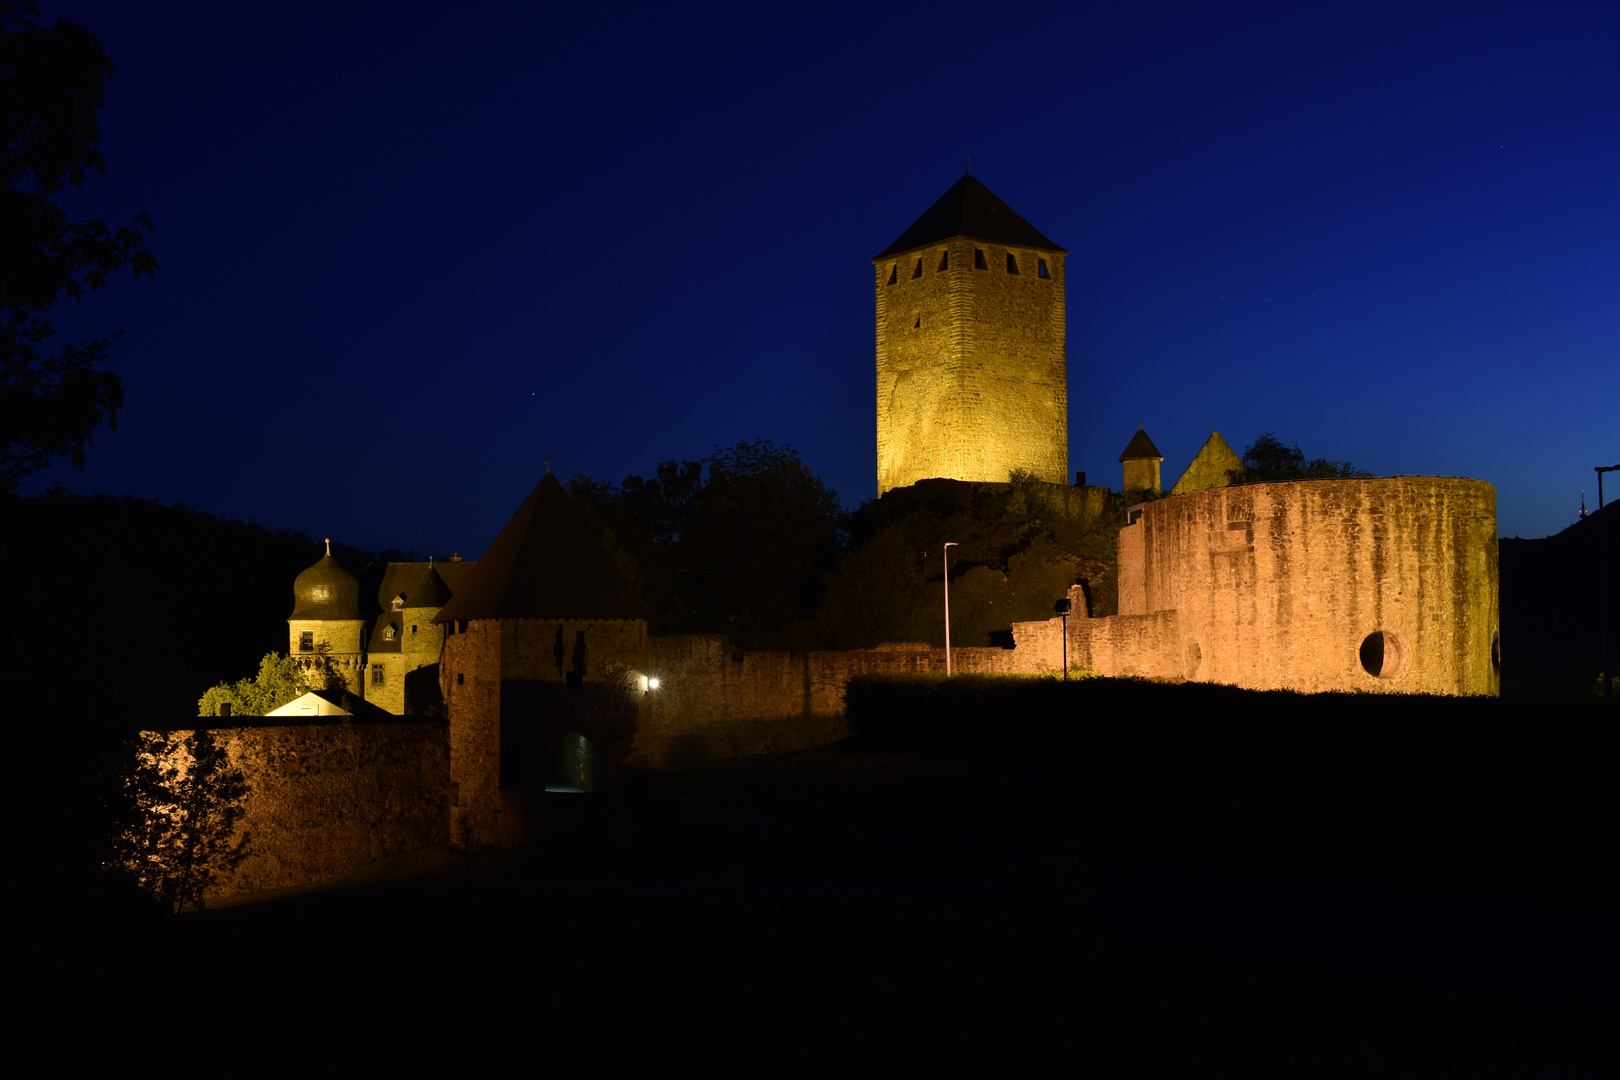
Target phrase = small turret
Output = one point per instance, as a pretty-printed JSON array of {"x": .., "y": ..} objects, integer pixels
[{"x": 1141, "y": 460}]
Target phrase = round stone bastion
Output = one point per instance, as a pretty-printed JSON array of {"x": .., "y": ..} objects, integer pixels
[{"x": 1383, "y": 585}]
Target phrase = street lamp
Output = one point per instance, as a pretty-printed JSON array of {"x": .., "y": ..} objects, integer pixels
[
  {"x": 947, "y": 557},
  {"x": 1062, "y": 608}
]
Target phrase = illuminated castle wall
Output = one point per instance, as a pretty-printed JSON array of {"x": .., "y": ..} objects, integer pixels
[{"x": 972, "y": 376}]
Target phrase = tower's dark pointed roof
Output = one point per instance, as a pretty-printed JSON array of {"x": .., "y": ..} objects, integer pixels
[
  {"x": 429, "y": 591},
  {"x": 546, "y": 564},
  {"x": 969, "y": 209},
  {"x": 1140, "y": 447}
]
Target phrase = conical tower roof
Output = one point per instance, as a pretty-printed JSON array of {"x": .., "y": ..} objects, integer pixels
[
  {"x": 969, "y": 209},
  {"x": 546, "y": 564},
  {"x": 1140, "y": 447},
  {"x": 429, "y": 591}
]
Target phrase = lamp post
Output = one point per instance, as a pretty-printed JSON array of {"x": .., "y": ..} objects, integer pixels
[
  {"x": 1062, "y": 608},
  {"x": 947, "y": 557}
]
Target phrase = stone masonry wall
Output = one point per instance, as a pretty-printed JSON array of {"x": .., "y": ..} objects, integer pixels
[
  {"x": 1279, "y": 585},
  {"x": 710, "y": 705},
  {"x": 338, "y": 642},
  {"x": 329, "y": 798},
  {"x": 470, "y": 679},
  {"x": 971, "y": 366}
]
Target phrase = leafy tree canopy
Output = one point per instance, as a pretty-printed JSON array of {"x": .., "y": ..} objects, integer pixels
[
  {"x": 737, "y": 543},
  {"x": 1269, "y": 458},
  {"x": 280, "y": 679},
  {"x": 52, "y": 82}
]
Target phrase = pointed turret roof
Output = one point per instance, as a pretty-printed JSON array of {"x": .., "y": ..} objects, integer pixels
[
  {"x": 1140, "y": 447},
  {"x": 546, "y": 564},
  {"x": 969, "y": 209},
  {"x": 429, "y": 591}
]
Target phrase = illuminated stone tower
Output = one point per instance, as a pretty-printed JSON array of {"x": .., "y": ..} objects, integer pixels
[
  {"x": 972, "y": 373},
  {"x": 325, "y": 626}
]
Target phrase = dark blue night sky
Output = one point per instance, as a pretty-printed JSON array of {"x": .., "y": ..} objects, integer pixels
[{"x": 411, "y": 251}]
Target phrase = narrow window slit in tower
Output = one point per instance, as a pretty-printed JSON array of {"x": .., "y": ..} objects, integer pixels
[
  {"x": 1040, "y": 269},
  {"x": 917, "y": 273},
  {"x": 1012, "y": 263},
  {"x": 894, "y": 275},
  {"x": 944, "y": 262},
  {"x": 918, "y": 324},
  {"x": 978, "y": 259}
]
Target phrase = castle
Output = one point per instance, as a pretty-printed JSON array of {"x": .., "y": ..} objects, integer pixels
[{"x": 531, "y": 673}]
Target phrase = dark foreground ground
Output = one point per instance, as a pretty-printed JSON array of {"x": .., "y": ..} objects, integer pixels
[{"x": 1008, "y": 901}]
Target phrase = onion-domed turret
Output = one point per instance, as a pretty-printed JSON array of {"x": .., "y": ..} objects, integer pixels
[{"x": 326, "y": 591}]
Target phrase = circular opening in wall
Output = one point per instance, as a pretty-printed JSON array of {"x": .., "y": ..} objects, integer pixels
[
  {"x": 1383, "y": 654},
  {"x": 1496, "y": 651}
]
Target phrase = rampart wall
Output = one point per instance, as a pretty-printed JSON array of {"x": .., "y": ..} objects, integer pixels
[
  {"x": 713, "y": 704},
  {"x": 325, "y": 799},
  {"x": 1376, "y": 585}
]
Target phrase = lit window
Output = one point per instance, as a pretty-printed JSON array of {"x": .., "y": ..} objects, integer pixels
[
  {"x": 388, "y": 632},
  {"x": 978, "y": 259},
  {"x": 1012, "y": 263},
  {"x": 377, "y": 675},
  {"x": 306, "y": 641}
]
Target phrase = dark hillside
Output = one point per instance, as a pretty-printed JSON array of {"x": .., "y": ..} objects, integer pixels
[{"x": 1560, "y": 598}]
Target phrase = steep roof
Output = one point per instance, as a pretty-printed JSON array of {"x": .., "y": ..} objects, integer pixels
[
  {"x": 969, "y": 209},
  {"x": 401, "y": 577},
  {"x": 546, "y": 564},
  {"x": 1140, "y": 447},
  {"x": 1210, "y": 468},
  {"x": 429, "y": 591},
  {"x": 380, "y": 642}
]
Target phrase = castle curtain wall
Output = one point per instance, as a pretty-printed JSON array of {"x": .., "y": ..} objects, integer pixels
[
  {"x": 325, "y": 799},
  {"x": 1280, "y": 585}
]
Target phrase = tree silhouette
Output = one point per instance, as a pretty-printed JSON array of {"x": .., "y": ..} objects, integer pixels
[
  {"x": 184, "y": 800},
  {"x": 52, "y": 82},
  {"x": 1269, "y": 458}
]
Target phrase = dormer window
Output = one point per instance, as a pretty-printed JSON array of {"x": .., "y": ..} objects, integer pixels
[
  {"x": 399, "y": 602},
  {"x": 388, "y": 632}
]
